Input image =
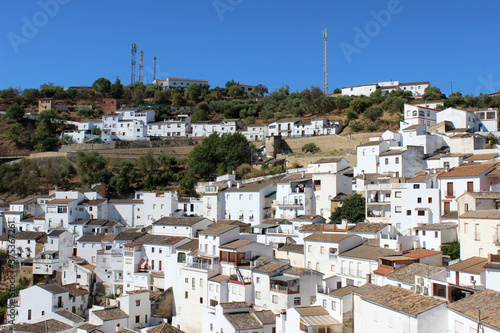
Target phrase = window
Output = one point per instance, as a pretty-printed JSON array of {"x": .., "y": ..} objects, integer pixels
[
  {"x": 325, "y": 303},
  {"x": 137, "y": 302},
  {"x": 29, "y": 314},
  {"x": 429, "y": 200},
  {"x": 258, "y": 295},
  {"x": 201, "y": 282},
  {"x": 275, "y": 299},
  {"x": 193, "y": 283},
  {"x": 153, "y": 249},
  {"x": 466, "y": 227},
  {"x": 477, "y": 235},
  {"x": 470, "y": 187},
  {"x": 332, "y": 268},
  {"x": 466, "y": 207},
  {"x": 137, "y": 319},
  {"x": 309, "y": 248},
  {"x": 416, "y": 186},
  {"x": 408, "y": 212},
  {"x": 419, "y": 200},
  {"x": 397, "y": 194},
  {"x": 435, "y": 234},
  {"x": 322, "y": 250},
  {"x": 296, "y": 301},
  {"x": 186, "y": 280},
  {"x": 258, "y": 280},
  {"x": 397, "y": 209},
  {"x": 386, "y": 161},
  {"x": 421, "y": 213},
  {"x": 186, "y": 294},
  {"x": 201, "y": 300},
  {"x": 397, "y": 160},
  {"x": 211, "y": 327},
  {"x": 334, "y": 306}
]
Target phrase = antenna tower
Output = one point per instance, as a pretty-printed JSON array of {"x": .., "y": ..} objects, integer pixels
[
  {"x": 154, "y": 68},
  {"x": 133, "y": 49},
  {"x": 325, "y": 68},
  {"x": 141, "y": 67}
]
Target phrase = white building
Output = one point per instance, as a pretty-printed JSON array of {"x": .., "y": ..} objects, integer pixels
[
  {"x": 203, "y": 129},
  {"x": 394, "y": 309},
  {"x": 465, "y": 178},
  {"x": 404, "y": 205},
  {"x": 416, "y": 115},
  {"x": 171, "y": 127},
  {"x": 255, "y": 132},
  {"x": 175, "y": 82},
  {"x": 235, "y": 317},
  {"x": 463, "y": 314},
  {"x": 180, "y": 226},
  {"x": 283, "y": 127},
  {"x": 247, "y": 202},
  {"x": 322, "y": 249},
  {"x": 436, "y": 235}
]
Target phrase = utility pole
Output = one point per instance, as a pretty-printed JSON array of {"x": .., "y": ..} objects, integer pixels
[{"x": 325, "y": 67}]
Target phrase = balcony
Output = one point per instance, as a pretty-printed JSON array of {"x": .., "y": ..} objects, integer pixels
[
  {"x": 200, "y": 265},
  {"x": 285, "y": 284},
  {"x": 285, "y": 289},
  {"x": 496, "y": 239}
]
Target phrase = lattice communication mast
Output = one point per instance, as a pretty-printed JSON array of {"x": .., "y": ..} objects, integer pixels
[
  {"x": 133, "y": 49},
  {"x": 141, "y": 67},
  {"x": 325, "y": 67}
]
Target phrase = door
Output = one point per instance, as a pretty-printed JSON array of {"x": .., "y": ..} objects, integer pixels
[
  {"x": 449, "y": 189},
  {"x": 446, "y": 207},
  {"x": 470, "y": 187}
]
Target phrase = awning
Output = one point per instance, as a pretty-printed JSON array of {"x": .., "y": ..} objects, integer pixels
[{"x": 319, "y": 320}]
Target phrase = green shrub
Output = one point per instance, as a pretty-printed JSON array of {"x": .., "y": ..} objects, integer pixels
[{"x": 310, "y": 148}]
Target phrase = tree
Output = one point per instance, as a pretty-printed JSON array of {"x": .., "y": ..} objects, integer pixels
[
  {"x": 177, "y": 99},
  {"x": 31, "y": 94},
  {"x": 15, "y": 112},
  {"x": 234, "y": 91},
  {"x": 452, "y": 250},
  {"x": 116, "y": 90},
  {"x": 201, "y": 113},
  {"x": 454, "y": 100},
  {"x": 161, "y": 97},
  {"x": 373, "y": 113},
  {"x": 360, "y": 104},
  {"x": 48, "y": 89},
  {"x": 261, "y": 90},
  {"x": 432, "y": 93},
  {"x": 138, "y": 94},
  {"x": 219, "y": 155},
  {"x": 192, "y": 93},
  {"x": 337, "y": 91},
  {"x": 101, "y": 86},
  {"x": 92, "y": 168},
  {"x": 352, "y": 209},
  {"x": 231, "y": 83},
  {"x": 310, "y": 148},
  {"x": 15, "y": 133},
  {"x": 491, "y": 139}
]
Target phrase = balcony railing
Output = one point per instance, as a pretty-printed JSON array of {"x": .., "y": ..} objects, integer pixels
[
  {"x": 450, "y": 194},
  {"x": 285, "y": 289},
  {"x": 200, "y": 265}
]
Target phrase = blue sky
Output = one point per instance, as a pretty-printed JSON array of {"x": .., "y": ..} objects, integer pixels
[{"x": 270, "y": 42}]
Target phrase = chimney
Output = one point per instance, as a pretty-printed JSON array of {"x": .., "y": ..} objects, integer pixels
[
  {"x": 238, "y": 185},
  {"x": 117, "y": 327},
  {"x": 344, "y": 223}
]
